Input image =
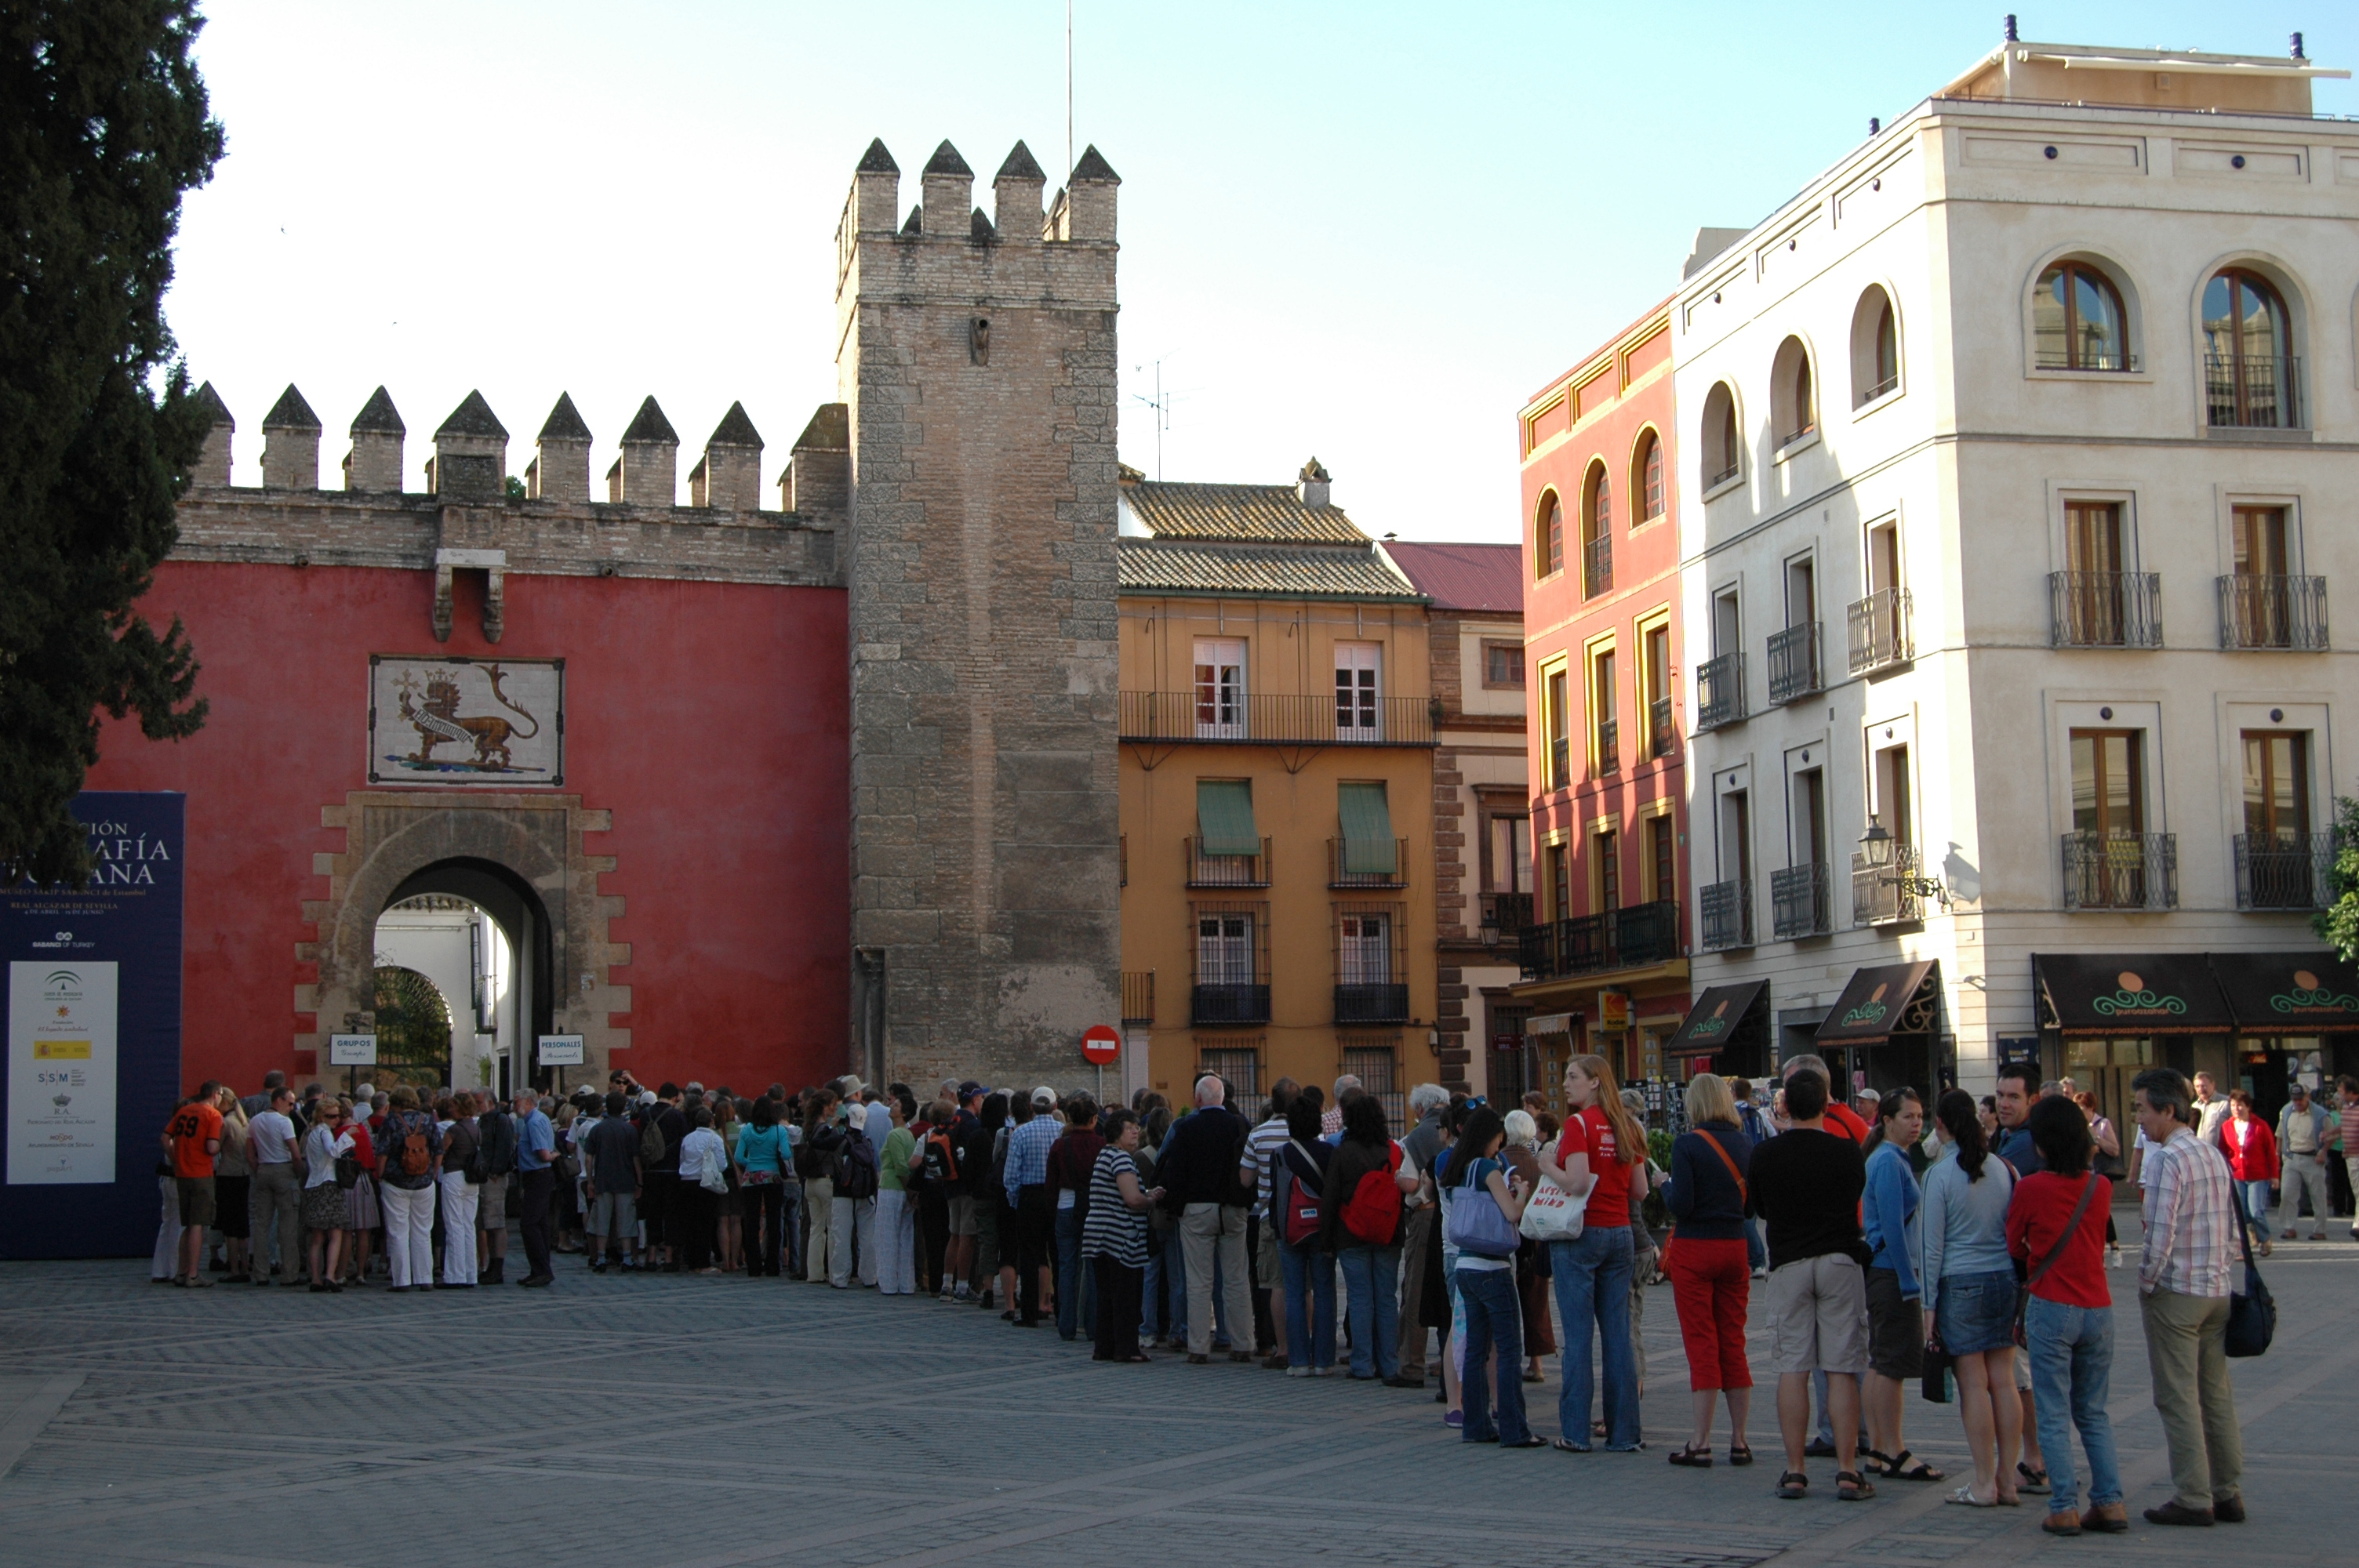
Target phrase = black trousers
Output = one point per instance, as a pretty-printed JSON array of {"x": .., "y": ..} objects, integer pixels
[
  {"x": 659, "y": 1207},
  {"x": 1264, "y": 1330},
  {"x": 540, "y": 1187},
  {"x": 1118, "y": 1306},
  {"x": 765, "y": 1205},
  {"x": 699, "y": 1226},
  {"x": 1034, "y": 1248},
  {"x": 933, "y": 1236}
]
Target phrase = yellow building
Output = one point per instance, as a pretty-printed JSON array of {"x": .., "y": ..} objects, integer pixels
[{"x": 1276, "y": 794}]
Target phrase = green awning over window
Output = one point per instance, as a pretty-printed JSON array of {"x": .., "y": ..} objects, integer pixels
[
  {"x": 1367, "y": 819},
  {"x": 1225, "y": 817}
]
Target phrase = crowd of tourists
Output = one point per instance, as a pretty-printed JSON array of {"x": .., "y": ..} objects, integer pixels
[{"x": 1965, "y": 1250}]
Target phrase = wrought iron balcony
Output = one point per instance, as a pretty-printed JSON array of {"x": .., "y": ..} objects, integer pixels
[
  {"x": 1597, "y": 565},
  {"x": 1662, "y": 733},
  {"x": 1719, "y": 691},
  {"x": 1794, "y": 663},
  {"x": 1628, "y": 939},
  {"x": 2104, "y": 610},
  {"x": 1229, "y": 1003},
  {"x": 1227, "y": 871},
  {"x": 1879, "y": 630},
  {"x": 1609, "y": 746},
  {"x": 1798, "y": 901},
  {"x": 2055, "y": 357},
  {"x": 1338, "y": 877},
  {"x": 1881, "y": 890},
  {"x": 1724, "y": 475},
  {"x": 2285, "y": 870},
  {"x": 2273, "y": 612},
  {"x": 2121, "y": 870},
  {"x": 1138, "y": 996},
  {"x": 1508, "y": 912},
  {"x": 2253, "y": 392},
  {"x": 1274, "y": 721},
  {"x": 1372, "y": 1003},
  {"x": 1724, "y": 915}
]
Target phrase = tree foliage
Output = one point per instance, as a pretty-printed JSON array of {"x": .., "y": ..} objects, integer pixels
[
  {"x": 2338, "y": 921},
  {"x": 103, "y": 124}
]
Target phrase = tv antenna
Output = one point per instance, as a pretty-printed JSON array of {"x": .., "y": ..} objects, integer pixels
[
  {"x": 1068, "y": 90},
  {"x": 1162, "y": 403}
]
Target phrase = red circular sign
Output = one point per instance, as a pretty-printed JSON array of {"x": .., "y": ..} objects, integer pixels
[{"x": 1101, "y": 1043}]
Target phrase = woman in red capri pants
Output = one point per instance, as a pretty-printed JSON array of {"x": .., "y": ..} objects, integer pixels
[{"x": 1711, "y": 1281}]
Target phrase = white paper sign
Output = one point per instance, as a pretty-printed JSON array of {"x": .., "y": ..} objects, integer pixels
[
  {"x": 561, "y": 1050},
  {"x": 352, "y": 1050},
  {"x": 61, "y": 1070}
]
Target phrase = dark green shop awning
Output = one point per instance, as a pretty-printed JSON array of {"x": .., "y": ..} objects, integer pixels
[
  {"x": 1882, "y": 1001},
  {"x": 2289, "y": 993},
  {"x": 2129, "y": 995},
  {"x": 1367, "y": 821},
  {"x": 1723, "y": 1017},
  {"x": 1225, "y": 817}
]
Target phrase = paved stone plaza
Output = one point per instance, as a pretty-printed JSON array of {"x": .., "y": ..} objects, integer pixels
[{"x": 600, "y": 1421}]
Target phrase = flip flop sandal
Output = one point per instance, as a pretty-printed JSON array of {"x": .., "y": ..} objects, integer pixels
[
  {"x": 1567, "y": 1445},
  {"x": 1792, "y": 1485},
  {"x": 1740, "y": 1456},
  {"x": 2032, "y": 1480},
  {"x": 1851, "y": 1487},
  {"x": 1899, "y": 1468},
  {"x": 1964, "y": 1498},
  {"x": 1692, "y": 1457}
]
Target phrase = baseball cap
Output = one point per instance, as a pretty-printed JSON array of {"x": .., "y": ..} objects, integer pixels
[
  {"x": 970, "y": 1088},
  {"x": 1044, "y": 1094}
]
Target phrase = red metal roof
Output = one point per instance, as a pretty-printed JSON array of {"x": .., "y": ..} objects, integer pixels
[{"x": 1463, "y": 577}]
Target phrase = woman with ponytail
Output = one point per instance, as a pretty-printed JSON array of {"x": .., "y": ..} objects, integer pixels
[
  {"x": 1593, "y": 1158},
  {"x": 1969, "y": 1284}
]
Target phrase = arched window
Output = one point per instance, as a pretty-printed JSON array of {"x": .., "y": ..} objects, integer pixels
[
  {"x": 1723, "y": 454},
  {"x": 2077, "y": 320},
  {"x": 1793, "y": 402},
  {"x": 1646, "y": 480},
  {"x": 1547, "y": 539},
  {"x": 1874, "y": 349},
  {"x": 2248, "y": 364},
  {"x": 1596, "y": 532}
]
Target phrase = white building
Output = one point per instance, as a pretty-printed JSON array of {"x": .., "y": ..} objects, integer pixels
[{"x": 2020, "y": 460}]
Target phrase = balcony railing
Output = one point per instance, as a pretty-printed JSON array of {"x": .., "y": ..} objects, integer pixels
[
  {"x": 2104, "y": 610},
  {"x": 1559, "y": 763},
  {"x": 1794, "y": 663},
  {"x": 1272, "y": 720},
  {"x": 1724, "y": 915},
  {"x": 1138, "y": 996},
  {"x": 1798, "y": 901},
  {"x": 1880, "y": 388},
  {"x": 2285, "y": 870},
  {"x": 1227, "y": 871},
  {"x": 1628, "y": 939},
  {"x": 1879, "y": 894},
  {"x": 2121, "y": 870},
  {"x": 1724, "y": 475},
  {"x": 1879, "y": 630},
  {"x": 1229, "y": 1003},
  {"x": 1372, "y": 1003},
  {"x": 1509, "y": 913},
  {"x": 2056, "y": 358},
  {"x": 1597, "y": 565},
  {"x": 1719, "y": 691},
  {"x": 2273, "y": 612},
  {"x": 2252, "y": 394},
  {"x": 1609, "y": 746},
  {"x": 1337, "y": 877},
  {"x": 1663, "y": 734}
]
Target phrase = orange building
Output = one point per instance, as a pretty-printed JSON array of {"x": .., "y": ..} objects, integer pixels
[{"x": 1604, "y": 959}]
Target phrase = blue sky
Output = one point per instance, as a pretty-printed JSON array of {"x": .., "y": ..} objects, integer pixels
[{"x": 1367, "y": 231}]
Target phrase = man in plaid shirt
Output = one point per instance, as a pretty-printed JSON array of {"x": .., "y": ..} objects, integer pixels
[{"x": 2190, "y": 1236}]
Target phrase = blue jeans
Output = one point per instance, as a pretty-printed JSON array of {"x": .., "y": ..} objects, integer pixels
[
  {"x": 1076, "y": 1284},
  {"x": 1371, "y": 1278},
  {"x": 1309, "y": 1305},
  {"x": 1592, "y": 1294},
  {"x": 2257, "y": 1210},
  {"x": 791, "y": 1206},
  {"x": 2072, "y": 1361},
  {"x": 1756, "y": 1251},
  {"x": 1151, "y": 1297},
  {"x": 1493, "y": 1317}
]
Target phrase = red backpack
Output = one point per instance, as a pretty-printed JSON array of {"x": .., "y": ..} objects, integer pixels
[
  {"x": 1372, "y": 1215},
  {"x": 1301, "y": 1218}
]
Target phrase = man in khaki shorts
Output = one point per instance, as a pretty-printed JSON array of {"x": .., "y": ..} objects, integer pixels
[{"x": 1807, "y": 1184}]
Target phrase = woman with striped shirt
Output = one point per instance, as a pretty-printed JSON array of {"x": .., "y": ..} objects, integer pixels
[{"x": 1113, "y": 1238}]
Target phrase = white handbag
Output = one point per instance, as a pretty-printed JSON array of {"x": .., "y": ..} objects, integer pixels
[{"x": 1551, "y": 1214}]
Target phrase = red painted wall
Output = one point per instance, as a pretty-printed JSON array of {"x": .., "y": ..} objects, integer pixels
[{"x": 710, "y": 720}]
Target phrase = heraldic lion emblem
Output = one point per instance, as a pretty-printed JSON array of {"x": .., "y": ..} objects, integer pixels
[{"x": 438, "y": 721}]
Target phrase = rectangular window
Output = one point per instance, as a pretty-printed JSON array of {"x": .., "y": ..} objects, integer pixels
[
  {"x": 1356, "y": 670},
  {"x": 1607, "y": 847},
  {"x": 2092, "y": 536},
  {"x": 1503, "y": 664},
  {"x": 1560, "y": 763},
  {"x": 1366, "y": 953},
  {"x": 1224, "y": 950},
  {"x": 2260, "y": 541},
  {"x": 2108, "y": 786},
  {"x": 2277, "y": 784},
  {"x": 1736, "y": 836},
  {"x": 1510, "y": 866},
  {"x": 1809, "y": 841},
  {"x": 1601, "y": 706},
  {"x": 1560, "y": 856},
  {"x": 1239, "y": 1066},
  {"x": 1655, "y": 654},
  {"x": 1882, "y": 558},
  {"x": 1802, "y": 591},
  {"x": 1369, "y": 854},
  {"x": 1220, "y": 689},
  {"x": 1662, "y": 839},
  {"x": 1378, "y": 1067}
]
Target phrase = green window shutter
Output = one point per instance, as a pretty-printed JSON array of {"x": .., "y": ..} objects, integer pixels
[
  {"x": 1367, "y": 819},
  {"x": 1225, "y": 817}
]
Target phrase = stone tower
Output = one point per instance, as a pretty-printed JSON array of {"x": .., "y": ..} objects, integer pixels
[{"x": 977, "y": 363}]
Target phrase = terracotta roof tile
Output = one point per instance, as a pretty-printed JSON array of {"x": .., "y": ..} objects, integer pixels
[
  {"x": 1147, "y": 566},
  {"x": 1267, "y": 513}
]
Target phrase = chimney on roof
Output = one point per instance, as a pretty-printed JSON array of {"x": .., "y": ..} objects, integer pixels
[
  {"x": 728, "y": 477},
  {"x": 2296, "y": 47},
  {"x": 1313, "y": 484},
  {"x": 819, "y": 469},
  {"x": 291, "y": 444},
  {"x": 375, "y": 460},
  {"x": 647, "y": 473},
  {"x": 2010, "y": 28},
  {"x": 945, "y": 190},
  {"x": 213, "y": 467},
  {"x": 561, "y": 471},
  {"x": 471, "y": 453}
]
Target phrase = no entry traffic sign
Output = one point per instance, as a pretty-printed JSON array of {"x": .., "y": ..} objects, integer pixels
[{"x": 1101, "y": 1043}]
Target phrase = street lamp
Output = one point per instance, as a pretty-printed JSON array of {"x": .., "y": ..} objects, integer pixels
[
  {"x": 1878, "y": 845},
  {"x": 1489, "y": 927}
]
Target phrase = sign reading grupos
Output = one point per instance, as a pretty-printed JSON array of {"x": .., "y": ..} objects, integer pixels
[
  {"x": 352, "y": 1050},
  {"x": 486, "y": 723},
  {"x": 61, "y": 1071}
]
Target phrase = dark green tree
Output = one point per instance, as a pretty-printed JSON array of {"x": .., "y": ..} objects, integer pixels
[
  {"x": 103, "y": 125},
  {"x": 2338, "y": 921}
]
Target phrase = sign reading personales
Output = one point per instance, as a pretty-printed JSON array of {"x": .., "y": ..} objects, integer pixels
[
  {"x": 94, "y": 1035},
  {"x": 481, "y": 724}
]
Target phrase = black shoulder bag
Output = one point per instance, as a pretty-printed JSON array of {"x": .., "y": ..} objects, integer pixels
[{"x": 2251, "y": 1312}]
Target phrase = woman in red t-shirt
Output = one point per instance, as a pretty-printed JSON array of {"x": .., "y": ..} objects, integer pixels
[{"x": 1601, "y": 1141}]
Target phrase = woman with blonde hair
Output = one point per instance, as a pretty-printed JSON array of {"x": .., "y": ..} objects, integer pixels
[
  {"x": 233, "y": 1187},
  {"x": 1708, "y": 1265},
  {"x": 1521, "y": 1153},
  {"x": 1593, "y": 1160}
]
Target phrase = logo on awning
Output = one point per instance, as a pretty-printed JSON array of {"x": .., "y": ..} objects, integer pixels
[
  {"x": 2309, "y": 996},
  {"x": 2136, "y": 1000},
  {"x": 1872, "y": 1010}
]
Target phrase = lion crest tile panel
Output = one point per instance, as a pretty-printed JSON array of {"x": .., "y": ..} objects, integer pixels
[{"x": 492, "y": 723}]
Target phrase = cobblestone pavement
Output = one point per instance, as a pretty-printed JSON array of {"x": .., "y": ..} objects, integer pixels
[{"x": 253, "y": 1427}]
